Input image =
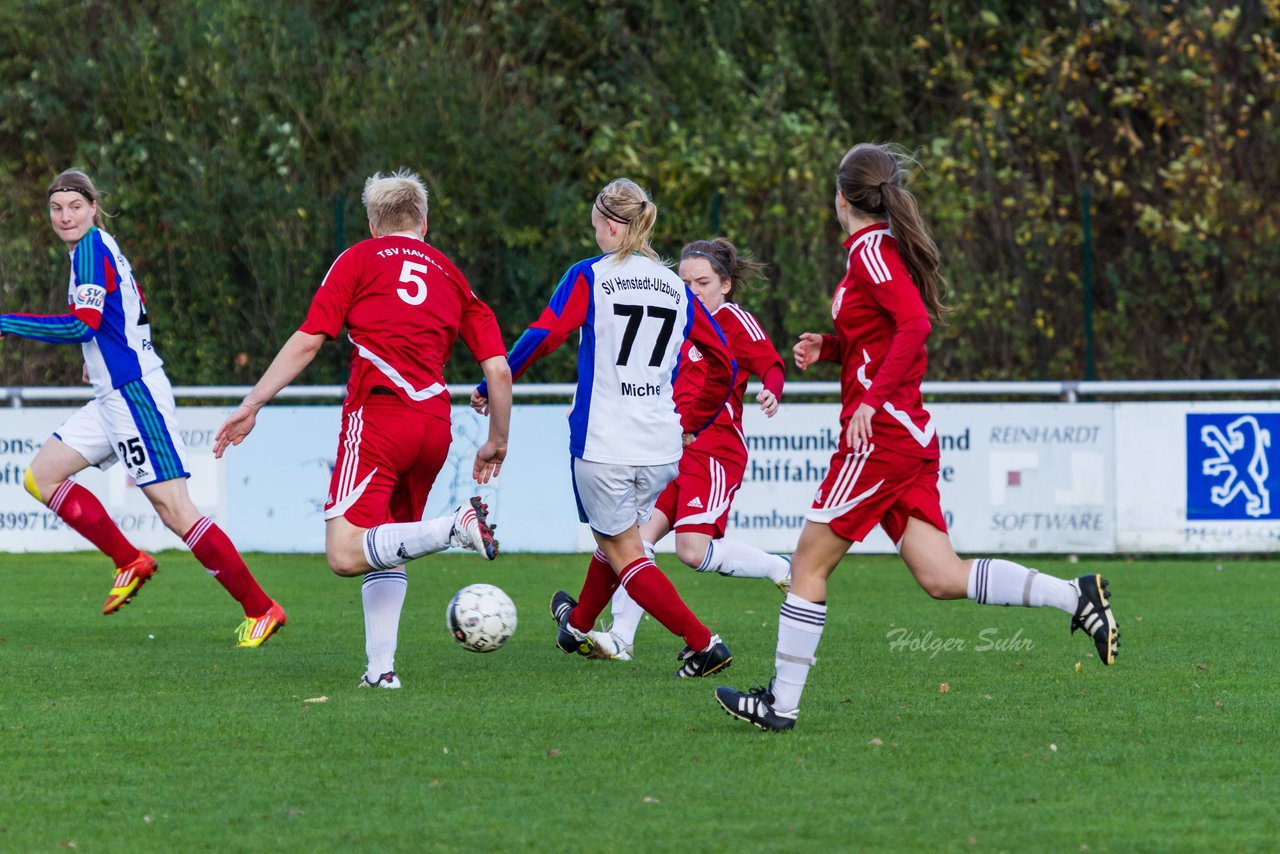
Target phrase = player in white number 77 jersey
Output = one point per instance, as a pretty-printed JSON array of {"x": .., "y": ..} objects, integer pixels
[{"x": 625, "y": 436}]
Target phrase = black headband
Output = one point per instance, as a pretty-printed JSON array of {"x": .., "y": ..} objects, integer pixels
[
  {"x": 610, "y": 213},
  {"x": 713, "y": 259},
  {"x": 63, "y": 188}
]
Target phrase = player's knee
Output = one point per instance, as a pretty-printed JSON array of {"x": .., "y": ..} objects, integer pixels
[
  {"x": 346, "y": 566},
  {"x": 934, "y": 587},
  {"x": 942, "y": 585},
  {"x": 30, "y": 485},
  {"x": 691, "y": 554}
]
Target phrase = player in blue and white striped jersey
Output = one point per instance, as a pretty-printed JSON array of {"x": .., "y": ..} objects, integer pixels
[
  {"x": 633, "y": 316},
  {"x": 131, "y": 418}
]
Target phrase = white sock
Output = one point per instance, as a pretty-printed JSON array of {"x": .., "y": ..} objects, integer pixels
[
  {"x": 383, "y": 594},
  {"x": 800, "y": 625},
  {"x": 1002, "y": 582},
  {"x": 627, "y": 614},
  {"x": 740, "y": 560},
  {"x": 397, "y": 543},
  {"x": 648, "y": 550}
]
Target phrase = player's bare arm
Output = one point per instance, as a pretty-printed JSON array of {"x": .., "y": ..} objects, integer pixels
[
  {"x": 489, "y": 457},
  {"x": 296, "y": 354}
]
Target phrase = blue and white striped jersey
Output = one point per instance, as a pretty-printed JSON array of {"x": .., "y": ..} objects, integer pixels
[{"x": 108, "y": 316}]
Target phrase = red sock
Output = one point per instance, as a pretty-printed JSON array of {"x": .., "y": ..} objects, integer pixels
[
  {"x": 654, "y": 592},
  {"x": 597, "y": 590},
  {"x": 85, "y": 515},
  {"x": 213, "y": 548}
]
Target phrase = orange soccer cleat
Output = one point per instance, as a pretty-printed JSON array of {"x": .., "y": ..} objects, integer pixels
[
  {"x": 129, "y": 580},
  {"x": 255, "y": 631}
]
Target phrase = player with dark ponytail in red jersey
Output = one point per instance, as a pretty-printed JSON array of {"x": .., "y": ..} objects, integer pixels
[{"x": 885, "y": 471}]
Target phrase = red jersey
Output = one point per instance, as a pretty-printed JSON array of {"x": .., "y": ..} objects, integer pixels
[
  {"x": 754, "y": 354},
  {"x": 881, "y": 326},
  {"x": 404, "y": 304}
]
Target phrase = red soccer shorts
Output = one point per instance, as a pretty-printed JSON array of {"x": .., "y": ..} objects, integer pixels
[
  {"x": 882, "y": 487},
  {"x": 388, "y": 457},
  {"x": 698, "y": 500}
]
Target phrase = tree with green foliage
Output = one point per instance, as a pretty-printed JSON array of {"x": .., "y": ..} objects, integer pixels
[{"x": 233, "y": 138}]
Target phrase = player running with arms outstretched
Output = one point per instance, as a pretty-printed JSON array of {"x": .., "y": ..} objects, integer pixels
[
  {"x": 132, "y": 417},
  {"x": 696, "y": 504},
  {"x": 403, "y": 304},
  {"x": 886, "y": 469},
  {"x": 625, "y": 436}
]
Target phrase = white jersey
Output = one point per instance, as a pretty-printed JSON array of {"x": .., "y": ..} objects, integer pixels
[
  {"x": 108, "y": 316},
  {"x": 635, "y": 316},
  {"x": 122, "y": 350}
]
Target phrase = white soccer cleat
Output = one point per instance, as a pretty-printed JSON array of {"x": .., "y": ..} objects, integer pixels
[
  {"x": 386, "y": 680},
  {"x": 471, "y": 529},
  {"x": 784, "y": 586},
  {"x": 610, "y": 646}
]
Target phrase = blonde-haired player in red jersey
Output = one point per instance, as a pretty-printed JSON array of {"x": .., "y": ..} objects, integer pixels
[
  {"x": 886, "y": 469},
  {"x": 696, "y": 504},
  {"x": 404, "y": 304}
]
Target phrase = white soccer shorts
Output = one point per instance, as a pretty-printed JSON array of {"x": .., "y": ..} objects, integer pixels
[
  {"x": 136, "y": 424},
  {"x": 612, "y": 497}
]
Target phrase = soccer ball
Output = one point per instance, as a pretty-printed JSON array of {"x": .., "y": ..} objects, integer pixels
[{"x": 481, "y": 617}]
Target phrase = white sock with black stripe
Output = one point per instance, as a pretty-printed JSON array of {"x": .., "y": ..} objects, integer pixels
[
  {"x": 800, "y": 625},
  {"x": 1002, "y": 582},
  {"x": 740, "y": 560},
  {"x": 397, "y": 543},
  {"x": 383, "y": 595}
]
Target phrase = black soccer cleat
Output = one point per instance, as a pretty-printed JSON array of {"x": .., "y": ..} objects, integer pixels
[
  {"x": 568, "y": 639},
  {"x": 756, "y": 708},
  {"x": 1093, "y": 614},
  {"x": 704, "y": 662}
]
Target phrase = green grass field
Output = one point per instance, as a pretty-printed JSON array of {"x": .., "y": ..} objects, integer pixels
[{"x": 149, "y": 731}]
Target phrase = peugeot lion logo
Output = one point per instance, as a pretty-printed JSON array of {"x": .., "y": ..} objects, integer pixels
[{"x": 1238, "y": 456}]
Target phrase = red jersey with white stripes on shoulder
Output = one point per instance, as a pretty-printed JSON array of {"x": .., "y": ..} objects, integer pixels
[
  {"x": 754, "y": 354},
  {"x": 404, "y": 304},
  {"x": 881, "y": 327}
]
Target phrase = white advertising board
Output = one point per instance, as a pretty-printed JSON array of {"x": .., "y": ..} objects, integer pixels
[
  {"x": 1198, "y": 477},
  {"x": 1015, "y": 478},
  {"x": 27, "y": 526}
]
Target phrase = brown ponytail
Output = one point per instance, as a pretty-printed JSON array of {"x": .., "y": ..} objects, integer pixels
[{"x": 870, "y": 178}]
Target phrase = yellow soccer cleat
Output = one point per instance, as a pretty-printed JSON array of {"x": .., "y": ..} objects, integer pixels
[
  {"x": 128, "y": 581},
  {"x": 254, "y": 631}
]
